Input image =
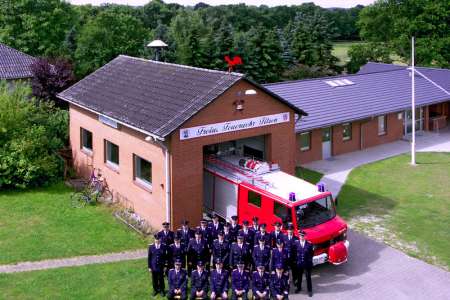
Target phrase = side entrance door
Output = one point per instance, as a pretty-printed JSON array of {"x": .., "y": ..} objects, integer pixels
[{"x": 326, "y": 143}]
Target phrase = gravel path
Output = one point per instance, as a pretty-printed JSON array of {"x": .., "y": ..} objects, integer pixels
[{"x": 73, "y": 261}]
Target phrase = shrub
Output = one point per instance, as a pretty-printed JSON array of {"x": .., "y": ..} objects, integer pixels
[{"x": 31, "y": 133}]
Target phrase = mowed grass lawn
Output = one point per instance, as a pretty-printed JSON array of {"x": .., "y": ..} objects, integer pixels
[
  {"x": 120, "y": 280},
  {"x": 406, "y": 206},
  {"x": 40, "y": 224},
  {"x": 340, "y": 50}
]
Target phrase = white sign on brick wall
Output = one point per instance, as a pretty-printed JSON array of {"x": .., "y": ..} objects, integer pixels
[{"x": 230, "y": 126}]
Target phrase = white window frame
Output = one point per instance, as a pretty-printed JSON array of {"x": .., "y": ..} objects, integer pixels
[
  {"x": 309, "y": 141},
  {"x": 138, "y": 180},
  {"x": 109, "y": 163},
  {"x": 347, "y": 138},
  {"x": 384, "y": 125},
  {"x": 82, "y": 140}
]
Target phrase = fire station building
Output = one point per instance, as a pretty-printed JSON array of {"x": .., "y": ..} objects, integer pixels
[{"x": 148, "y": 125}]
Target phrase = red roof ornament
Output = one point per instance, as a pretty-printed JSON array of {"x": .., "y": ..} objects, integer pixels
[{"x": 233, "y": 62}]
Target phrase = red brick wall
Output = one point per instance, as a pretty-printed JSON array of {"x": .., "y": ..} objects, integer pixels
[
  {"x": 187, "y": 155},
  {"x": 149, "y": 204},
  {"x": 314, "y": 153},
  {"x": 339, "y": 146},
  {"x": 370, "y": 131}
]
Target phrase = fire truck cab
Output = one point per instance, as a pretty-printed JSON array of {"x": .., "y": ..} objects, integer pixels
[{"x": 246, "y": 187}]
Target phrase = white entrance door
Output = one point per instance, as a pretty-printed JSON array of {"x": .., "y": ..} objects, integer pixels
[{"x": 326, "y": 143}]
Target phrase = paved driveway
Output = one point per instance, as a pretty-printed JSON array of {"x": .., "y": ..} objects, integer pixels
[
  {"x": 337, "y": 168},
  {"x": 377, "y": 271}
]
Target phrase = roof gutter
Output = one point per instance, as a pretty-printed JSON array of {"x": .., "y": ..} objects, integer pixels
[{"x": 154, "y": 136}]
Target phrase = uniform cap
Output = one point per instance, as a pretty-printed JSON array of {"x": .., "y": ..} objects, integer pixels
[
  {"x": 261, "y": 239},
  {"x": 165, "y": 223},
  {"x": 185, "y": 222},
  {"x": 177, "y": 236},
  {"x": 234, "y": 218},
  {"x": 260, "y": 265},
  {"x": 227, "y": 224},
  {"x": 279, "y": 266},
  {"x": 198, "y": 231},
  {"x": 220, "y": 233},
  {"x": 277, "y": 224},
  {"x": 218, "y": 261},
  {"x": 302, "y": 233},
  {"x": 290, "y": 226},
  {"x": 156, "y": 237},
  {"x": 240, "y": 262},
  {"x": 263, "y": 225},
  {"x": 203, "y": 221},
  {"x": 280, "y": 242},
  {"x": 178, "y": 261},
  {"x": 240, "y": 237},
  {"x": 200, "y": 263},
  {"x": 255, "y": 218},
  {"x": 245, "y": 223}
]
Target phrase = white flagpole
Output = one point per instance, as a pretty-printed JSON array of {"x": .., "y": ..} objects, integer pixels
[{"x": 413, "y": 106}]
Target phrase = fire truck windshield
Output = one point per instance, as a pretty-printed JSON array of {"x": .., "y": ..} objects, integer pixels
[{"x": 316, "y": 212}]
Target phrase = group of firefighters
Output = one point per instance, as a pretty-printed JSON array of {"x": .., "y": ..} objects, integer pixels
[{"x": 234, "y": 251}]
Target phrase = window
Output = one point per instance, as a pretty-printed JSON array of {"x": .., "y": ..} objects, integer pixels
[
  {"x": 305, "y": 141},
  {"x": 254, "y": 198},
  {"x": 142, "y": 171},
  {"x": 283, "y": 212},
  {"x": 382, "y": 125},
  {"x": 111, "y": 154},
  {"x": 347, "y": 131},
  {"x": 86, "y": 139}
]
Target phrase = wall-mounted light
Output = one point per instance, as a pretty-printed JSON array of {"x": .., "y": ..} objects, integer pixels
[
  {"x": 239, "y": 104},
  {"x": 250, "y": 92}
]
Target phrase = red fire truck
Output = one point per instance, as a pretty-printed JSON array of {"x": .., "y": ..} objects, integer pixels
[{"x": 246, "y": 187}]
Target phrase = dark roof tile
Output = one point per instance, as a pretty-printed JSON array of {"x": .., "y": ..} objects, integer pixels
[{"x": 14, "y": 64}]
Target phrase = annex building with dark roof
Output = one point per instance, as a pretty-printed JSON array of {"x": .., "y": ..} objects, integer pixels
[
  {"x": 148, "y": 126},
  {"x": 14, "y": 65},
  {"x": 352, "y": 112}
]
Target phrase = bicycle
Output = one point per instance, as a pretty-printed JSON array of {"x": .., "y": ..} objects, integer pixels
[{"x": 96, "y": 190}]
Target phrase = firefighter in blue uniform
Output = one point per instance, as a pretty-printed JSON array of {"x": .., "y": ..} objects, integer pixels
[
  {"x": 221, "y": 249},
  {"x": 215, "y": 226},
  {"x": 234, "y": 227},
  {"x": 261, "y": 253},
  {"x": 249, "y": 235},
  {"x": 240, "y": 282},
  {"x": 157, "y": 259},
  {"x": 304, "y": 255},
  {"x": 227, "y": 235},
  {"x": 185, "y": 232},
  {"x": 177, "y": 282},
  {"x": 275, "y": 235},
  {"x": 239, "y": 252},
  {"x": 177, "y": 251},
  {"x": 290, "y": 245},
  {"x": 255, "y": 224},
  {"x": 197, "y": 251},
  {"x": 279, "y": 284},
  {"x": 261, "y": 283},
  {"x": 280, "y": 256},
  {"x": 206, "y": 234},
  {"x": 219, "y": 282},
  {"x": 262, "y": 233},
  {"x": 166, "y": 235},
  {"x": 199, "y": 282}
]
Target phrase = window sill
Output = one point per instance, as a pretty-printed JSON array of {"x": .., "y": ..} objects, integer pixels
[
  {"x": 143, "y": 185},
  {"x": 305, "y": 149},
  {"x": 112, "y": 166},
  {"x": 382, "y": 133},
  {"x": 346, "y": 140},
  {"x": 87, "y": 151}
]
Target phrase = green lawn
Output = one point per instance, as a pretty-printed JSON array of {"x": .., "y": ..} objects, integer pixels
[
  {"x": 340, "y": 50},
  {"x": 121, "y": 280},
  {"x": 407, "y": 207},
  {"x": 308, "y": 175},
  {"x": 40, "y": 224}
]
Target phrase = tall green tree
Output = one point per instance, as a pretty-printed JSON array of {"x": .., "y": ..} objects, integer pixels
[
  {"x": 311, "y": 37},
  {"x": 106, "y": 36},
  {"x": 37, "y": 27}
]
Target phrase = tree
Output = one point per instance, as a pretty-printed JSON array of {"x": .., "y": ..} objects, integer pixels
[
  {"x": 50, "y": 78},
  {"x": 360, "y": 54},
  {"x": 37, "y": 27},
  {"x": 393, "y": 23},
  {"x": 310, "y": 39},
  {"x": 106, "y": 36},
  {"x": 31, "y": 134}
]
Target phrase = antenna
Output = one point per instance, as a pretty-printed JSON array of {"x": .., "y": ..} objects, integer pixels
[{"x": 158, "y": 45}]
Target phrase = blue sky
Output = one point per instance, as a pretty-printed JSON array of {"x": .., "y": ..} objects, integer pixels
[{"x": 323, "y": 3}]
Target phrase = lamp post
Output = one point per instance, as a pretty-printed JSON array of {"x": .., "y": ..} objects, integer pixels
[{"x": 158, "y": 45}]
